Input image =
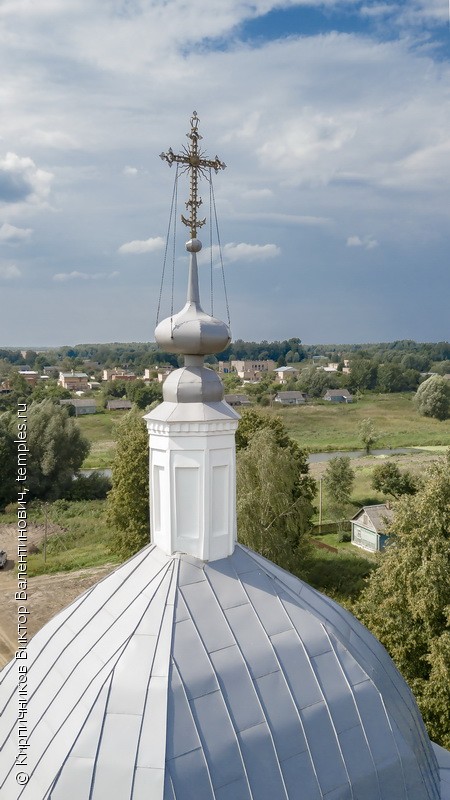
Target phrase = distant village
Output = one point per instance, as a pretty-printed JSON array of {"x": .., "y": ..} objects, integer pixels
[
  {"x": 246, "y": 373},
  {"x": 294, "y": 376}
]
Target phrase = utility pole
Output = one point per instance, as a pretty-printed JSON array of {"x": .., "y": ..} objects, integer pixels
[
  {"x": 320, "y": 504},
  {"x": 45, "y": 532}
]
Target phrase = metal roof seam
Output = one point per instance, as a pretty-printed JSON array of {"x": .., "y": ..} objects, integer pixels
[
  {"x": 350, "y": 688},
  {"x": 188, "y": 705},
  {"x": 233, "y": 726}
]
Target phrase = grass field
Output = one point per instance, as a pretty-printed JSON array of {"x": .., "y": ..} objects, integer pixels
[
  {"x": 100, "y": 429},
  {"x": 82, "y": 539},
  {"x": 318, "y": 427},
  {"x": 342, "y": 574},
  {"x": 322, "y": 427}
]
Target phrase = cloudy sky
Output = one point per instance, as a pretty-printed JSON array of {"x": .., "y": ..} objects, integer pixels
[{"x": 333, "y": 117}]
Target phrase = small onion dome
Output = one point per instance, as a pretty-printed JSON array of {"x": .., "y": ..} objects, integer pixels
[
  {"x": 192, "y": 332},
  {"x": 193, "y": 385}
]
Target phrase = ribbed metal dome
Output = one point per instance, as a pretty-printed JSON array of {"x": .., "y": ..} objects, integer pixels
[
  {"x": 174, "y": 679},
  {"x": 192, "y": 331}
]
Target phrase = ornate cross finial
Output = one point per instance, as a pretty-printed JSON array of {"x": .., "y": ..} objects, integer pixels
[{"x": 194, "y": 162}]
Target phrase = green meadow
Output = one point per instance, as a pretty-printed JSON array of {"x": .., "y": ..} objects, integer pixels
[{"x": 322, "y": 426}]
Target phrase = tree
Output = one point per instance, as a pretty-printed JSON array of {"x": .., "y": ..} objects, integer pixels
[
  {"x": 253, "y": 420},
  {"x": 52, "y": 390},
  {"x": 128, "y": 500},
  {"x": 392, "y": 378},
  {"x": 339, "y": 479},
  {"x": 432, "y": 398},
  {"x": 363, "y": 373},
  {"x": 315, "y": 381},
  {"x": 57, "y": 450},
  {"x": 8, "y": 463},
  {"x": 143, "y": 394},
  {"x": 406, "y": 602},
  {"x": 388, "y": 479},
  {"x": 367, "y": 433},
  {"x": 273, "y": 516}
]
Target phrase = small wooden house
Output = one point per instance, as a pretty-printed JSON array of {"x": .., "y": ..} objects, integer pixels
[
  {"x": 85, "y": 406},
  {"x": 237, "y": 400},
  {"x": 118, "y": 405},
  {"x": 290, "y": 398},
  {"x": 338, "y": 396},
  {"x": 370, "y": 527}
]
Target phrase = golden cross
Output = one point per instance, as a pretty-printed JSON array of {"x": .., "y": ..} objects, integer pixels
[{"x": 194, "y": 161}]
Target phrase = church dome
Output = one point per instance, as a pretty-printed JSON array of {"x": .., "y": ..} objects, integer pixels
[
  {"x": 193, "y": 385},
  {"x": 174, "y": 678}
]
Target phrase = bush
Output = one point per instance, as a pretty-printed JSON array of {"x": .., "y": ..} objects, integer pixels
[
  {"x": 89, "y": 487},
  {"x": 344, "y": 537}
]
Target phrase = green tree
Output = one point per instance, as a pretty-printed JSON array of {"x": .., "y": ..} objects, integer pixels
[
  {"x": 367, "y": 433},
  {"x": 406, "y": 602},
  {"x": 8, "y": 463},
  {"x": 392, "y": 378},
  {"x": 315, "y": 381},
  {"x": 432, "y": 398},
  {"x": 143, "y": 394},
  {"x": 388, "y": 479},
  {"x": 253, "y": 420},
  {"x": 363, "y": 373},
  {"x": 50, "y": 389},
  {"x": 339, "y": 479},
  {"x": 273, "y": 516},
  {"x": 57, "y": 450},
  {"x": 128, "y": 500}
]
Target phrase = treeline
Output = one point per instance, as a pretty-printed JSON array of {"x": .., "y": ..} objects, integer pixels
[
  {"x": 137, "y": 356},
  {"x": 412, "y": 355}
]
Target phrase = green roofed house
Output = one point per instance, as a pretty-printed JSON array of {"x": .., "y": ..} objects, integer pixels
[{"x": 370, "y": 526}]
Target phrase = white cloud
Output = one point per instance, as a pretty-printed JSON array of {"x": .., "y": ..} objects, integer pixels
[
  {"x": 232, "y": 252},
  {"x": 250, "y": 252},
  {"x": 378, "y": 10},
  {"x": 338, "y": 133},
  {"x": 56, "y": 139},
  {"x": 286, "y": 219},
  {"x": 9, "y": 272},
  {"x": 63, "y": 277},
  {"x": 367, "y": 242},
  {"x": 22, "y": 182},
  {"x": 257, "y": 194},
  {"x": 139, "y": 246},
  {"x": 9, "y": 233}
]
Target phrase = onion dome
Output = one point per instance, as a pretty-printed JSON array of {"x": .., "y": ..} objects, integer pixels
[
  {"x": 192, "y": 331},
  {"x": 174, "y": 679}
]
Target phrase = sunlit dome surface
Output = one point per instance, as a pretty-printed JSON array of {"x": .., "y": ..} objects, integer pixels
[{"x": 173, "y": 678}]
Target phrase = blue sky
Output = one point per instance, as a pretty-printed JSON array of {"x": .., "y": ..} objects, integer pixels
[{"x": 333, "y": 119}]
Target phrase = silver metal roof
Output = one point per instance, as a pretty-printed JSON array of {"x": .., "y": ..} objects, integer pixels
[{"x": 174, "y": 679}]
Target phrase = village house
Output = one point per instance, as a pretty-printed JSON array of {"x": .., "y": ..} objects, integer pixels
[
  {"x": 250, "y": 369},
  {"x": 74, "y": 381},
  {"x": 338, "y": 396},
  {"x": 81, "y": 406},
  {"x": 30, "y": 376},
  {"x": 283, "y": 374},
  {"x": 370, "y": 527},
  {"x": 237, "y": 400},
  {"x": 161, "y": 373},
  {"x": 290, "y": 398},
  {"x": 118, "y": 405},
  {"x": 118, "y": 374}
]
